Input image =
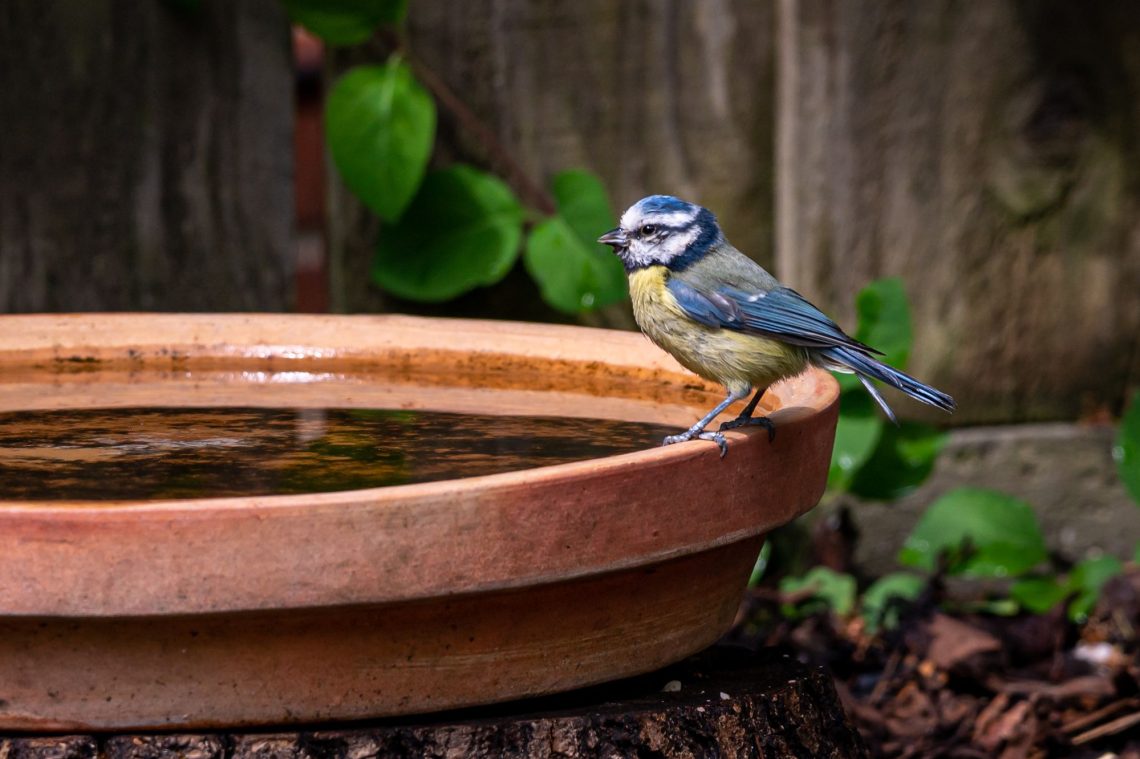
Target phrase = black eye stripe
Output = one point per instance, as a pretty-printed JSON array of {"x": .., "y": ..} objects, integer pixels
[{"x": 658, "y": 228}]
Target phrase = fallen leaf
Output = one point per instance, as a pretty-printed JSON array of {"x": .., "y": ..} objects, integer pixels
[
  {"x": 952, "y": 642},
  {"x": 911, "y": 712},
  {"x": 1007, "y": 726}
]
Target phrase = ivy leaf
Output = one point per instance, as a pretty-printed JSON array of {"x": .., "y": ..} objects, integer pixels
[
  {"x": 461, "y": 231},
  {"x": 1083, "y": 585},
  {"x": 380, "y": 126},
  {"x": 881, "y": 600},
  {"x": 830, "y": 590},
  {"x": 884, "y": 320},
  {"x": 898, "y": 459},
  {"x": 1087, "y": 579},
  {"x": 345, "y": 22},
  {"x": 856, "y": 436},
  {"x": 582, "y": 201},
  {"x": 901, "y": 461},
  {"x": 1039, "y": 594},
  {"x": 570, "y": 275},
  {"x": 1127, "y": 449},
  {"x": 573, "y": 271},
  {"x": 986, "y": 533}
]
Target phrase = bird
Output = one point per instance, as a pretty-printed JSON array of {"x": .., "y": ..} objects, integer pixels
[{"x": 725, "y": 318}]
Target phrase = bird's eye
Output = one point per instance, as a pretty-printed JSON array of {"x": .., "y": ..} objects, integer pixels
[{"x": 648, "y": 229}]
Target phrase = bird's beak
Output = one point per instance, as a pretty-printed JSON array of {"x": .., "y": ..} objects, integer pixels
[{"x": 615, "y": 237}]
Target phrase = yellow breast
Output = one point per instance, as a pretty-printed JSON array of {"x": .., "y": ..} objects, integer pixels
[{"x": 734, "y": 359}]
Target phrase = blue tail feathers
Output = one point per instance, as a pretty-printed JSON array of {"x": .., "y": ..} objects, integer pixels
[{"x": 865, "y": 366}]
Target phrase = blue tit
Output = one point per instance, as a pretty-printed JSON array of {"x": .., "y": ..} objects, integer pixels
[{"x": 725, "y": 318}]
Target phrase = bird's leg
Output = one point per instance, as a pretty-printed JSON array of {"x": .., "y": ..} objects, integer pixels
[
  {"x": 746, "y": 417},
  {"x": 698, "y": 429}
]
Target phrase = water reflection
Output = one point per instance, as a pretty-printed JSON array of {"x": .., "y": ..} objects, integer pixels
[{"x": 116, "y": 454}]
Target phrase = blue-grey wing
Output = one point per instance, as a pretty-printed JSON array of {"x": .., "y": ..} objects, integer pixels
[
  {"x": 781, "y": 313},
  {"x": 709, "y": 309}
]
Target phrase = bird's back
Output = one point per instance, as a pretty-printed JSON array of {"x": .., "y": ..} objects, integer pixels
[{"x": 724, "y": 265}]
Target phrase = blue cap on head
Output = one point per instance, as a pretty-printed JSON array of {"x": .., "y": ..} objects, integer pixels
[{"x": 663, "y": 204}]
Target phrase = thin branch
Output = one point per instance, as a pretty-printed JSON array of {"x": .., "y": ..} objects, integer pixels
[
  {"x": 1118, "y": 725},
  {"x": 469, "y": 121}
]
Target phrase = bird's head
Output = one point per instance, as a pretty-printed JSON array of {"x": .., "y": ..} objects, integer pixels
[{"x": 663, "y": 231}]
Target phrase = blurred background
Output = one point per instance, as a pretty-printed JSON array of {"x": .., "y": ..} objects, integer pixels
[{"x": 201, "y": 155}]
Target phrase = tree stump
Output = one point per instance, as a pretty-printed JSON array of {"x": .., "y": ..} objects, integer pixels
[{"x": 729, "y": 703}]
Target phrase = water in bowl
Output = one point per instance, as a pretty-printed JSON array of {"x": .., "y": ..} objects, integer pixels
[{"x": 154, "y": 453}]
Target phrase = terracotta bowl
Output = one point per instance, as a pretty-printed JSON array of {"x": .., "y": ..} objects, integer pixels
[{"x": 364, "y": 603}]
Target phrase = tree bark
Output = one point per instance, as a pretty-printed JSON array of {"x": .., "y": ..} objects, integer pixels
[
  {"x": 729, "y": 704},
  {"x": 147, "y": 156},
  {"x": 988, "y": 154}
]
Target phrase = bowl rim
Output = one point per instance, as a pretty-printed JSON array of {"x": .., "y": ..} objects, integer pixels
[
  {"x": 488, "y": 533},
  {"x": 79, "y": 335}
]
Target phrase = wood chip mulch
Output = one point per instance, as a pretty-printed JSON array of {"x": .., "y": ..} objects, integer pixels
[{"x": 957, "y": 684}]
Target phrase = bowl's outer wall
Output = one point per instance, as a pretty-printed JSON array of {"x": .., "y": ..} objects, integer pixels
[
  {"x": 365, "y": 661},
  {"x": 494, "y": 586}
]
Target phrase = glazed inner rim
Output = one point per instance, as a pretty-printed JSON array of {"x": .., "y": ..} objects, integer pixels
[
  {"x": 82, "y": 431},
  {"x": 86, "y": 398}
]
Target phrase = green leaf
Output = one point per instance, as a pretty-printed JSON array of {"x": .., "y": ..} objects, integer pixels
[
  {"x": 573, "y": 271},
  {"x": 884, "y": 320},
  {"x": 880, "y": 601},
  {"x": 461, "y": 231},
  {"x": 1083, "y": 585},
  {"x": 898, "y": 460},
  {"x": 856, "y": 436},
  {"x": 1039, "y": 594},
  {"x": 1002, "y": 607},
  {"x": 380, "y": 126},
  {"x": 1087, "y": 579},
  {"x": 584, "y": 205},
  {"x": 901, "y": 461},
  {"x": 829, "y": 589},
  {"x": 761, "y": 565},
  {"x": 345, "y": 22},
  {"x": 571, "y": 276},
  {"x": 1127, "y": 450},
  {"x": 1000, "y": 532}
]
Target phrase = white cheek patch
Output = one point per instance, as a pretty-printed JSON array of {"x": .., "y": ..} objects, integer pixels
[{"x": 676, "y": 244}]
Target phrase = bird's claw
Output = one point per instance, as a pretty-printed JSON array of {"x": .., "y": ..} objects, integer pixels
[
  {"x": 747, "y": 421},
  {"x": 688, "y": 435},
  {"x": 717, "y": 438}
]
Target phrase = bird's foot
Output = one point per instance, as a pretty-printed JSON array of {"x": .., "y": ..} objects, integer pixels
[
  {"x": 748, "y": 421},
  {"x": 692, "y": 434}
]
